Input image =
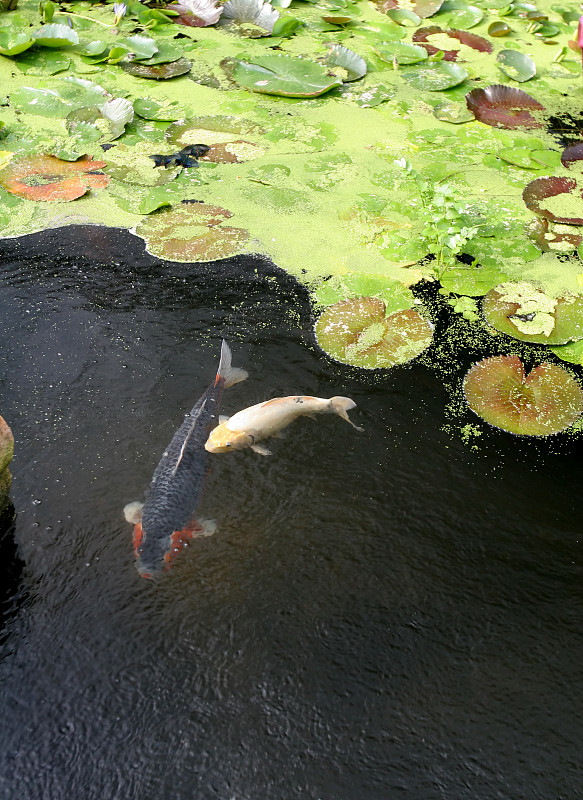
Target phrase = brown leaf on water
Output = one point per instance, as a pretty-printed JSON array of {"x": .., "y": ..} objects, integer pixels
[{"x": 46, "y": 178}]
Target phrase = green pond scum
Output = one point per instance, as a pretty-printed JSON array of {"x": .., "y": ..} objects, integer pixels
[{"x": 366, "y": 148}]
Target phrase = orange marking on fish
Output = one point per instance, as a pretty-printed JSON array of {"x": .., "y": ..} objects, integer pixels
[
  {"x": 179, "y": 540},
  {"x": 137, "y": 537}
]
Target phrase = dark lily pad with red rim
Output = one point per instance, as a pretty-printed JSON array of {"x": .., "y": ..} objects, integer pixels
[
  {"x": 546, "y": 401},
  {"x": 160, "y": 72},
  {"x": 463, "y": 37},
  {"x": 530, "y": 316},
  {"x": 504, "y": 107},
  {"x": 553, "y": 237},
  {"x": 50, "y": 179},
  {"x": 192, "y": 232},
  {"x": 360, "y": 333},
  {"x": 572, "y": 154},
  {"x": 558, "y": 199}
]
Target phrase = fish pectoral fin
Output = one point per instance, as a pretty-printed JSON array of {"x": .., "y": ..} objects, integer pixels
[
  {"x": 223, "y": 418},
  {"x": 261, "y": 450},
  {"x": 310, "y": 416}
]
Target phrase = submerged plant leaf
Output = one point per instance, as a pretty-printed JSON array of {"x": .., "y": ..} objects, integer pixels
[
  {"x": 524, "y": 312},
  {"x": 453, "y": 112},
  {"x": 546, "y": 401},
  {"x": 164, "y": 111},
  {"x": 517, "y": 66},
  {"x": 359, "y": 332},
  {"x": 436, "y": 77},
  {"x": 50, "y": 179},
  {"x": 504, "y": 107},
  {"x": 355, "y": 66},
  {"x": 191, "y": 232},
  {"x": 161, "y": 72},
  {"x": 284, "y": 75},
  {"x": 556, "y": 198}
]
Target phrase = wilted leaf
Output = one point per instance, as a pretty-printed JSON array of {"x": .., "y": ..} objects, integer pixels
[{"x": 50, "y": 179}]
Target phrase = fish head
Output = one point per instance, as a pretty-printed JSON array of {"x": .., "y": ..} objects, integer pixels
[{"x": 223, "y": 440}]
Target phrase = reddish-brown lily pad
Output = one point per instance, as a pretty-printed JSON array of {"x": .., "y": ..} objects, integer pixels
[
  {"x": 546, "y": 401},
  {"x": 557, "y": 199},
  {"x": 49, "y": 179},
  {"x": 191, "y": 232},
  {"x": 421, "y": 36},
  {"x": 504, "y": 107},
  {"x": 553, "y": 237},
  {"x": 525, "y": 313},
  {"x": 159, "y": 72},
  {"x": 359, "y": 332},
  {"x": 572, "y": 154}
]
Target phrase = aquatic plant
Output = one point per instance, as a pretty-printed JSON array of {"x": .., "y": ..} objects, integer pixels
[
  {"x": 544, "y": 402},
  {"x": 50, "y": 179},
  {"x": 504, "y": 107}
]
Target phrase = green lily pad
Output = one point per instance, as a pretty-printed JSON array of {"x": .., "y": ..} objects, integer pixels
[
  {"x": 166, "y": 53},
  {"x": 499, "y": 28},
  {"x": 55, "y": 35},
  {"x": 472, "y": 281},
  {"x": 285, "y": 76},
  {"x": 515, "y": 65},
  {"x": 141, "y": 46},
  {"x": 13, "y": 43},
  {"x": 436, "y": 77},
  {"x": 354, "y": 284},
  {"x": 545, "y": 402},
  {"x": 165, "y": 111},
  {"x": 402, "y": 53},
  {"x": 191, "y": 232},
  {"x": 359, "y": 332},
  {"x": 572, "y": 352},
  {"x": 456, "y": 113},
  {"x": 404, "y": 17},
  {"x": 375, "y": 96},
  {"x": 524, "y": 312},
  {"x": 467, "y": 17},
  {"x": 43, "y": 62},
  {"x": 355, "y": 66}
]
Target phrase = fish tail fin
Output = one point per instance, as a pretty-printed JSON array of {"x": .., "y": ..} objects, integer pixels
[
  {"x": 230, "y": 375},
  {"x": 340, "y": 406}
]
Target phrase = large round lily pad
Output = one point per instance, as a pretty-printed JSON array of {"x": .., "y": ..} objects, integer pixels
[
  {"x": 191, "y": 232},
  {"x": 556, "y": 198},
  {"x": 285, "y": 76},
  {"x": 504, "y": 107},
  {"x": 524, "y": 312},
  {"x": 359, "y": 332},
  {"x": 436, "y": 77},
  {"x": 546, "y": 401},
  {"x": 51, "y": 179}
]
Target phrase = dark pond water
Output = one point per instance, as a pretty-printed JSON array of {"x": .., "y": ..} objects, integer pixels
[{"x": 380, "y": 615}]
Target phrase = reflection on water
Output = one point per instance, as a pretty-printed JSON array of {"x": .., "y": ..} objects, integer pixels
[{"x": 379, "y": 615}]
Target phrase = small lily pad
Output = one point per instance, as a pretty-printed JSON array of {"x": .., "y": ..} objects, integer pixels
[
  {"x": 401, "y": 52},
  {"x": 515, "y": 65},
  {"x": 499, "y": 28},
  {"x": 355, "y": 66},
  {"x": 436, "y": 77},
  {"x": 164, "y": 111},
  {"x": 161, "y": 72},
  {"x": 359, "y": 332},
  {"x": 524, "y": 312},
  {"x": 572, "y": 352},
  {"x": 13, "y": 43},
  {"x": 191, "y": 232},
  {"x": 545, "y": 402},
  {"x": 51, "y": 180},
  {"x": 285, "y": 76},
  {"x": 466, "y": 17},
  {"x": 404, "y": 17},
  {"x": 456, "y": 113}
]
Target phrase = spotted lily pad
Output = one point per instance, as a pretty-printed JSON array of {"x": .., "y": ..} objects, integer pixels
[
  {"x": 517, "y": 66},
  {"x": 423, "y": 37},
  {"x": 359, "y": 332},
  {"x": 285, "y": 76},
  {"x": 524, "y": 312},
  {"x": 192, "y": 232},
  {"x": 50, "y": 179},
  {"x": 559, "y": 199},
  {"x": 546, "y": 401},
  {"x": 504, "y": 107},
  {"x": 436, "y": 77}
]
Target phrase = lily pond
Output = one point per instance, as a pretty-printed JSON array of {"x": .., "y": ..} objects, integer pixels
[{"x": 379, "y": 200}]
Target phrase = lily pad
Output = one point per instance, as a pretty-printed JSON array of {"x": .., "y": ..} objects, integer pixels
[
  {"x": 572, "y": 154},
  {"x": 285, "y": 76},
  {"x": 436, "y": 77},
  {"x": 164, "y": 111},
  {"x": 556, "y": 198},
  {"x": 499, "y": 28},
  {"x": 504, "y": 107},
  {"x": 572, "y": 352},
  {"x": 545, "y": 402},
  {"x": 404, "y": 17},
  {"x": 456, "y": 113},
  {"x": 466, "y": 17},
  {"x": 515, "y": 65},
  {"x": 51, "y": 180},
  {"x": 471, "y": 281},
  {"x": 359, "y": 332},
  {"x": 43, "y": 62},
  {"x": 13, "y": 43},
  {"x": 524, "y": 312},
  {"x": 55, "y": 35},
  {"x": 355, "y": 66},
  {"x": 401, "y": 52},
  {"x": 463, "y": 37},
  {"x": 192, "y": 232},
  {"x": 161, "y": 72}
]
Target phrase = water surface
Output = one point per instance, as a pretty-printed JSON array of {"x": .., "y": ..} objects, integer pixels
[{"x": 380, "y": 615}]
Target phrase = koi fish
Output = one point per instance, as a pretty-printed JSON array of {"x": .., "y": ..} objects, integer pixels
[
  {"x": 165, "y": 522},
  {"x": 250, "y": 426}
]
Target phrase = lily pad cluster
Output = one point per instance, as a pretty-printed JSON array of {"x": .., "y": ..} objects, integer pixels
[{"x": 382, "y": 144}]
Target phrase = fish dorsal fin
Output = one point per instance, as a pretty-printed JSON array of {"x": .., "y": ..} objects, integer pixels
[
  {"x": 185, "y": 442},
  {"x": 223, "y": 418}
]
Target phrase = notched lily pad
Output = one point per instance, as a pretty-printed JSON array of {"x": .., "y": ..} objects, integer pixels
[
  {"x": 401, "y": 52},
  {"x": 524, "y": 312},
  {"x": 504, "y": 107},
  {"x": 55, "y": 35},
  {"x": 284, "y": 75},
  {"x": 515, "y": 65},
  {"x": 359, "y": 332},
  {"x": 559, "y": 199},
  {"x": 545, "y": 402},
  {"x": 192, "y": 232},
  {"x": 463, "y": 37},
  {"x": 51, "y": 180}
]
